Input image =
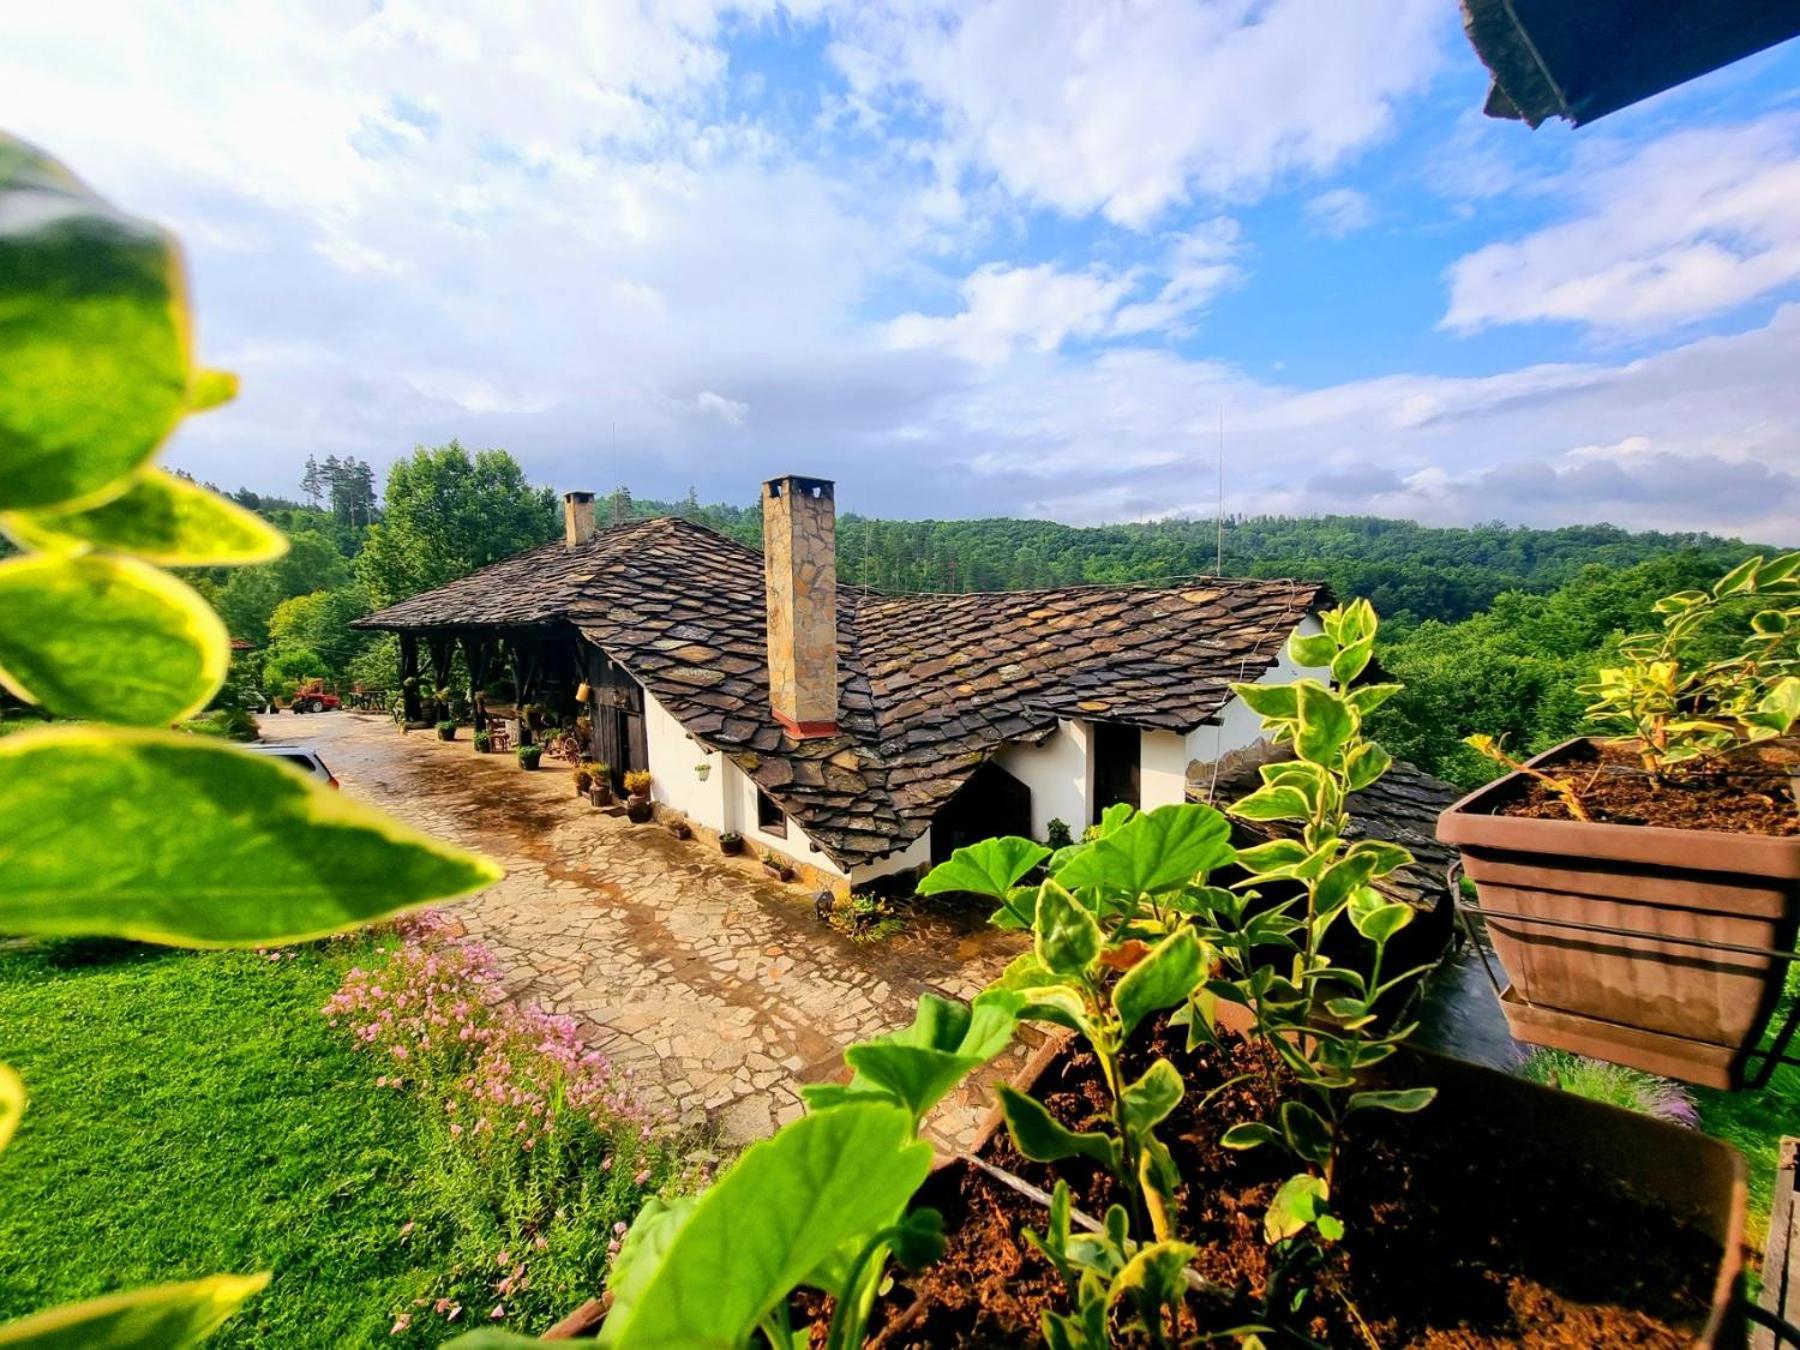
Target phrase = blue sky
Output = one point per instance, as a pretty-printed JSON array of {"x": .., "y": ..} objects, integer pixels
[{"x": 1014, "y": 257}]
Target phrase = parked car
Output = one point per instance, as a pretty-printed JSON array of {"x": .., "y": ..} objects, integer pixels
[{"x": 302, "y": 757}]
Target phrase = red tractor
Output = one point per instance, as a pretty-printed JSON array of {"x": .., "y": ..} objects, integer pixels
[{"x": 313, "y": 697}]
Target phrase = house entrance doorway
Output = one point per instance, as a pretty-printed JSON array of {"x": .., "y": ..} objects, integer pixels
[
  {"x": 991, "y": 803},
  {"x": 1116, "y": 766},
  {"x": 618, "y": 712}
]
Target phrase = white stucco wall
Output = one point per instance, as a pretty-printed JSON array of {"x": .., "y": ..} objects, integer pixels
[
  {"x": 1162, "y": 769},
  {"x": 673, "y": 754},
  {"x": 1059, "y": 773},
  {"x": 740, "y": 813}
]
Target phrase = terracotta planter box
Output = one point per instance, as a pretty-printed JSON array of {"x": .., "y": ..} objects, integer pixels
[
  {"x": 600, "y": 795},
  {"x": 1670, "y": 1008}
]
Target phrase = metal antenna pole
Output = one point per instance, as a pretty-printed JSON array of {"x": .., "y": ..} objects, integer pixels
[{"x": 1219, "y": 557}]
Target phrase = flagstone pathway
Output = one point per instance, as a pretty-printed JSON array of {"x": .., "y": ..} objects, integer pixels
[{"x": 713, "y": 986}]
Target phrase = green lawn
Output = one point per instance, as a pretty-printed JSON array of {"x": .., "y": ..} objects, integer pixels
[{"x": 193, "y": 1113}]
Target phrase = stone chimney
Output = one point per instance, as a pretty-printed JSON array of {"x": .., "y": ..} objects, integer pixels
[
  {"x": 800, "y": 567},
  {"x": 578, "y": 517}
]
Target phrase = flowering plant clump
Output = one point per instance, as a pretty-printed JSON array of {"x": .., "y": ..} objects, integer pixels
[{"x": 543, "y": 1149}]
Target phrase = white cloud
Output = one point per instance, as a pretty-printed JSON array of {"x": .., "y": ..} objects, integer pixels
[
  {"x": 1689, "y": 226},
  {"x": 728, "y": 410},
  {"x": 1198, "y": 267},
  {"x": 1128, "y": 109},
  {"x": 1340, "y": 211},
  {"x": 1004, "y": 307}
]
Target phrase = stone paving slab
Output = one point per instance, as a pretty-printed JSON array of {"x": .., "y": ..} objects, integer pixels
[{"x": 714, "y": 986}]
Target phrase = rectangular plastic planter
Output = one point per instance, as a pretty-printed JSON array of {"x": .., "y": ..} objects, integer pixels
[
  {"x": 1675, "y": 1008},
  {"x": 1695, "y": 1178}
]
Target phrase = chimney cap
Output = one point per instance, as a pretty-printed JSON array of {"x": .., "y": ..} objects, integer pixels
[
  {"x": 578, "y": 496},
  {"x": 800, "y": 485}
]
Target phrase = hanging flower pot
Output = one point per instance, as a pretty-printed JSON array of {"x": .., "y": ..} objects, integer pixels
[
  {"x": 1668, "y": 974},
  {"x": 703, "y": 770}
]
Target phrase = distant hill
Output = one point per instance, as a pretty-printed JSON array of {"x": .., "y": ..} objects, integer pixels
[{"x": 1409, "y": 572}]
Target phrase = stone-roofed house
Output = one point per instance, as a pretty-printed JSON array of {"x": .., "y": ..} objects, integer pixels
[{"x": 858, "y": 733}]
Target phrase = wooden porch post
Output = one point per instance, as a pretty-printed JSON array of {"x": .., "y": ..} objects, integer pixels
[
  {"x": 476, "y": 652},
  {"x": 409, "y": 677}
]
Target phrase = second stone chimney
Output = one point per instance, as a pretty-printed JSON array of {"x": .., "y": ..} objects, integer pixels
[
  {"x": 578, "y": 518},
  {"x": 800, "y": 568}
]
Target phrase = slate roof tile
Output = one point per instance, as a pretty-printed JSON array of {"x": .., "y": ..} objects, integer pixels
[{"x": 930, "y": 685}]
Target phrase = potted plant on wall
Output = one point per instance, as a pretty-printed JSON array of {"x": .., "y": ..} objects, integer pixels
[
  {"x": 637, "y": 805},
  {"x": 446, "y": 730},
  {"x": 1637, "y": 888},
  {"x": 731, "y": 843},
  {"x": 529, "y": 755}
]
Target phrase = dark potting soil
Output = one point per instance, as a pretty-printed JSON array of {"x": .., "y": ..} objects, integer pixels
[
  {"x": 1457, "y": 1237},
  {"x": 1745, "y": 794}
]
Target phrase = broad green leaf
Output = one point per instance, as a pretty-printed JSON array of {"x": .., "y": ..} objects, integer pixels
[
  {"x": 918, "y": 1238},
  {"x": 1156, "y": 1273},
  {"x": 1403, "y": 1100},
  {"x": 1352, "y": 660},
  {"x": 1040, "y": 1137},
  {"x": 781, "y": 1211},
  {"x": 1045, "y": 996},
  {"x": 1314, "y": 651},
  {"x": 1272, "y": 702},
  {"x": 1115, "y": 817},
  {"x": 12, "y": 1103},
  {"x": 1306, "y": 1132},
  {"x": 1368, "y": 697},
  {"x": 1067, "y": 936},
  {"x": 992, "y": 867},
  {"x": 1164, "y": 978},
  {"x": 161, "y": 519},
  {"x": 945, "y": 1043},
  {"x": 1342, "y": 880},
  {"x": 1364, "y": 764},
  {"x": 93, "y": 336},
  {"x": 110, "y": 639},
  {"x": 1769, "y": 622},
  {"x": 1326, "y": 723},
  {"x": 160, "y": 1317},
  {"x": 1299, "y": 1202},
  {"x": 1148, "y": 1101},
  {"x": 1742, "y": 577},
  {"x": 1272, "y": 803},
  {"x": 1380, "y": 922},
  {"x": 1249, "y": 1134},
  {"x": 1264, "y": 859},
  {"x": 208, "y": 389},
  {"x": 186, "y": 840},
  {"x": 1780, "y": 707},
  {"x": 1155, "y": 851},
  {"x": 1388, "y": 857}
]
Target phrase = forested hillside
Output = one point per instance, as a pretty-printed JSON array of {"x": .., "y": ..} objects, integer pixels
[
  {"x": 1408, "y": 572},
  {"x": 1490, "y": 626}
]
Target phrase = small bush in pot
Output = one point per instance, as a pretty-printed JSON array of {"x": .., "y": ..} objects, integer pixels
[
  {"x": 679, "y": 827},
  {"x": 483, "y": 742},
  {"x": 446, "y": 730},
  {"x": 529, "y": 755},
  {"x": 1682, "y": 822},
  {"x": 600, "y": 791},
  {"x": 583, "y": 778},
  {"x": 731, "y": 843},
  {"x": 637, "y": 785}
]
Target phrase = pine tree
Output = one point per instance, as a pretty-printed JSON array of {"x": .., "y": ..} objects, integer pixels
[
  {"x": 311, "y": 482},
  {"x": 619, "y": 505}
]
